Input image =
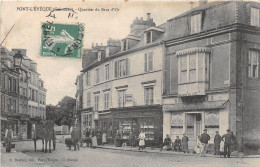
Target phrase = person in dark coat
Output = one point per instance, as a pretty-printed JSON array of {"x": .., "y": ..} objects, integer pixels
[
  {"x": 227, "y": 143},
  {"x": 217, "y": 141},
  {"x": 204, "y": 138},
  {"x": 167, "y": 142},
  {"x": 88, "y": 139},
  {"x": 184, "y": 143},
  {"x": 117, "y": 140},
  {"x": 177, "y": 144}
]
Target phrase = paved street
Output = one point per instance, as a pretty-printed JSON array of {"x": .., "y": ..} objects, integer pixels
[{"x": 63, "y": 157}]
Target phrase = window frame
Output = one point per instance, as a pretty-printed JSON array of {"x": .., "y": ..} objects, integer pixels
[
  {"x": 107, "y": 72},
  {"x": 148, "y": 61},
  {"x": 255, "y": 21},
  {"x": 97, "y": 75},
  {"x": 106, "y": 99},
  {"x": 121, "y": 95},
  {"x": 96, "y": 102},
  {"x": 196, "y": 25},
  {"x": 149, "y": 100},
  {"x": 250, "y": 66}
]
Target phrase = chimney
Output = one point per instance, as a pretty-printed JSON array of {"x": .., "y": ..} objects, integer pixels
[
  {"x": 203, "y": 2},
  {"x": 148, "y": 16}
]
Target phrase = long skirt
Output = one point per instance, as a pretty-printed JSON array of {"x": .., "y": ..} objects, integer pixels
[
  {"x": 141, "y": 142},
  {"x": 104, "y": 138},
  {"x": 185, "y": 147},
  {"x": 94, "y": 141}
]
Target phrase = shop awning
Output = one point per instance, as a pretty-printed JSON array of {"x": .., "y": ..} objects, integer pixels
[{"x": 209, "y": 105}]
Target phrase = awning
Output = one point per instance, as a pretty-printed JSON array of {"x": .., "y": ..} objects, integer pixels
[{"x": 209, "y": 105}]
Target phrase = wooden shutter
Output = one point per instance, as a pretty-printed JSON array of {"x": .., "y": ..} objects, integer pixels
[
  {"x": 145, "y": 62},
  {"x": 116, "y": 69},
  {"x": 150, "y": 61},
  {"x": 127, "y": 64}
]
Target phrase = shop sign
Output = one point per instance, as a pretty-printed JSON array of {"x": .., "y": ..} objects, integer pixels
[{"x": 128, "y": 97}]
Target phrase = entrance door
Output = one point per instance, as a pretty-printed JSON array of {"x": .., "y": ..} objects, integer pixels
[
  {"x": 29, "y": 130},
  {"x": 193, "y": 128}
]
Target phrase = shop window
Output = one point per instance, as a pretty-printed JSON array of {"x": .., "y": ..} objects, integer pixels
[
  {"x": 121, "y": 98},
  {"x": 148, "y": 61},
  {"x": 106, "y": 100},
  {"x": 176, "y": 125},
  {"x": 96, "y": 106},
  {"x": 149, "y": 95},
  {"x": 253, "y": 64},
  {"x": 255, "y": 17},
  {"x": 147, "y": 126},
  {"x": 195, "y": 25},
  {"x": 122, "y": 68}
]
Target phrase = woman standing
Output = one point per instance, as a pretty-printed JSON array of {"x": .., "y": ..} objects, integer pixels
[
  {"x": 185, "y": 140},
  {"x": 94, "y": 139},
  {"x": 104, "y": 137},
  {"x": 141, "y": 140}
]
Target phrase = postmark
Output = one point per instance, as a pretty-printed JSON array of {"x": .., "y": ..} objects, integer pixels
[{"x": 61, "y": 40}]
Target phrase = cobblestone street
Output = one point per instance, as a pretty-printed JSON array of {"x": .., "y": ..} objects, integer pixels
[{"x": 63, "y": 157}]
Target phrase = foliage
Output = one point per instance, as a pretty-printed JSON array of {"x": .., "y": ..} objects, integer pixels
[{"x": 62, "y": 113}]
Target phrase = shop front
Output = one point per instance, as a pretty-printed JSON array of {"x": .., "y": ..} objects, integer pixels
[
  {"x": 134, "y": 120},
  {"x": 192, "y": 119},
  {"x": 105, "y": 124}
]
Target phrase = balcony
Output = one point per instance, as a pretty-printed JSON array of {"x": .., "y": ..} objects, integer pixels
[{"x": 192, "y": 89}]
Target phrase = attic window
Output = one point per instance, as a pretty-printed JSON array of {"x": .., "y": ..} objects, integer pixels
[
  {"x": 125, "y": 45},
  {"x": 195, "y": 23},
  {"x": 255, "y": 17},
  {"x": 148, "y": 37}
]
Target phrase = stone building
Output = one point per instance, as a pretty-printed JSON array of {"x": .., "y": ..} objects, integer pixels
[
  {"x": 122, "y": 84},
  {"x": 30, "y": 105},
  {"x": 211, "y": 74}
]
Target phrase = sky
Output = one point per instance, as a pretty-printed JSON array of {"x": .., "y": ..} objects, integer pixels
[{"x": 59, "y": 74}]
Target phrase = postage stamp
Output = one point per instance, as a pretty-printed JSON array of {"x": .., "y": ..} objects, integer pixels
[{"x": 61, "y": 40}]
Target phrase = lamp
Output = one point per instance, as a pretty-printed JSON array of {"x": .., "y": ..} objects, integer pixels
[{"x": 18, "y": 58}]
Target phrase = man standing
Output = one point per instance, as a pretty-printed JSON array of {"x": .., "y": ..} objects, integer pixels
[
  {"x": 204, "y": 142},
  {"x": 227, "y": 143},
  {"x": 217, "y": 141}
]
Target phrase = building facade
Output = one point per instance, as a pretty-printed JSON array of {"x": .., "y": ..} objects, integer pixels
[
  {"x": 31, "y": 93},
  {"x": 211, "y": 72},
  {"x": 122, "y": 84}
]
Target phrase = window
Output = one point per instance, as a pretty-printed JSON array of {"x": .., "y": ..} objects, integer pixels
[
  {"x": 96, "y": 102},
  {"x": 29, "y": 93},
  {"x": 10, "y": 83},
  {"x": 29, "y": 79},
  {"x": 148, "y": 95},
  {"x": 121, "y": 98},
  {"x": 253, "y": 64},
  {"x": 88, "y": 99},
  {"x": 254, "y": 17},
  {"x": 33, "y": 95},
  {"x": 195, "y": 25},
  {"x": 106, "y": 100},
  {"x": 148, "y": 61},
  {"x": 88, "y": 78},
  {"x": 125, "y": 45},
  {"x": 97, "y": 75},
  {"x": 2, "y": 103},
  {"x": 149, "y": 37},
  {"x": 14, "y": 85},
  {"x": 122, "y": 68},
  {"x": 107, "y": 71}
]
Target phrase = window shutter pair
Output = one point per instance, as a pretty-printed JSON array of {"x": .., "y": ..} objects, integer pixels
[
  {"x": 127, "y": 65},
  {"x": 148, "y": 61}
]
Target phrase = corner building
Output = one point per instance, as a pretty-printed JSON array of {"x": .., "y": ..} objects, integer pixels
[
  {"x": 122, "y": 84},
  {"x": 211, "y": 75}
]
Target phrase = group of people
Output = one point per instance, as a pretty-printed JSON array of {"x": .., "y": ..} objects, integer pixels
[
  {"x": 202, "y": 143},
  {"x": 95, "y": 137}
]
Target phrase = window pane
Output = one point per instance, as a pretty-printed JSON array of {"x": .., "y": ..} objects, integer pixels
[
  {"x": 183, "y": 63},
  {"x": 183, "y": 77},
  {"x": 192, "y": 77},
  {"x": 254, "y": 17},
  {"x": 192, "y": 61}
]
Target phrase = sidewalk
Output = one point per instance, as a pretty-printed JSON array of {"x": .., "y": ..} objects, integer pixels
[
  {"x": 18, "y": 159},
  {"x": 157, "y": 150}
]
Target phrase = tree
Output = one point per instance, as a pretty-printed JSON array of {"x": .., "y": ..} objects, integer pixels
[{"x": 62, "y": 113}]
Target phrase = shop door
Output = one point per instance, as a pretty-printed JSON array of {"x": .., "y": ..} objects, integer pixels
[
  {"x": 198, "y": 126},
  {"x": 193, "y": 123}
]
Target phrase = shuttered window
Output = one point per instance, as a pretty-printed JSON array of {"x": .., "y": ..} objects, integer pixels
[
  {"x": 148, "y": 61},
  {"x": 255, "y": 17},
  {"x": 122, "y": 68},
  {"x": 253, "y": 64},
  {"x": 195, "y": 25}
]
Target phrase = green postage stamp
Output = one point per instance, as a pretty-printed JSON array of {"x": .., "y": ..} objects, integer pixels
[{"x": 62, "y": 40}]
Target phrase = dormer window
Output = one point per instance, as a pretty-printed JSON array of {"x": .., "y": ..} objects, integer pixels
[
  {"x": 124, "y": 45},
  {"x": 99, "y": 56},
  {"x": 149, "y": 37},
  {"x": 195, "y": 24},
  {"x": 255, "y": 17}
]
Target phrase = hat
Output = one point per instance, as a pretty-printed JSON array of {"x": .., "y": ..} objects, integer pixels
[
  {"x": 228, "y": 130},
  {"x": 205, "y": 130}
]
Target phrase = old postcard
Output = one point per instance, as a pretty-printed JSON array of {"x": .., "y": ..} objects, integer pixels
[{"x": 130, "y": 83}]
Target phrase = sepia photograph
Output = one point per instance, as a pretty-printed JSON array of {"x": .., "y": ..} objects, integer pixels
[{"x": 130, "y": 83}]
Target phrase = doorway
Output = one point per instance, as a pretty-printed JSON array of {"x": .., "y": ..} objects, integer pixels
[{"x": 193, "y": 128}]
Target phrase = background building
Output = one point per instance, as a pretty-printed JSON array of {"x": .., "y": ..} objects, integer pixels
[
  {"x": 31, "y": 94},
  {"x": 212, "y": 72}
]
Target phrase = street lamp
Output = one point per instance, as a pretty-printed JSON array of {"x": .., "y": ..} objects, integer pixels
[{"x": 18, "y": 58}]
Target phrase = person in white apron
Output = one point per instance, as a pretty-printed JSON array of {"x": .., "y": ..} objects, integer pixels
[{"x": 141, "y": 141}]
